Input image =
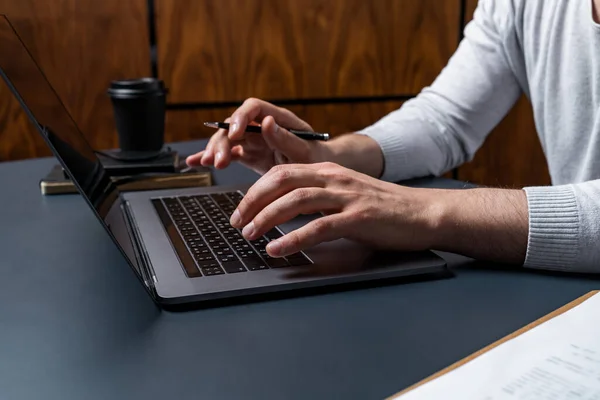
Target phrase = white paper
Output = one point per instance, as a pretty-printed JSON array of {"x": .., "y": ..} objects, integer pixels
[{"x": 559, "y": 359}]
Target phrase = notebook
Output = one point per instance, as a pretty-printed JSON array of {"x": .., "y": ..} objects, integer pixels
[
  {"x": 555, "y": 357},
  {"x": 57, "y": 181}
]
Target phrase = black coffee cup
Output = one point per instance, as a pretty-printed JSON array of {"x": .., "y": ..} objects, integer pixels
[{"x": 139, "y": 112}]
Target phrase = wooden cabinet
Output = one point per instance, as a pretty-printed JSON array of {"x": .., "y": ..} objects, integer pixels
[
  {"x": 228, "y": 50},
  {"x": 339, "y": 64}
]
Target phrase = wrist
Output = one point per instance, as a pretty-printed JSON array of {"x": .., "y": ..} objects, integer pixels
[
  {"x": 480, "y": 223},
  {"x": 445, "y": 212},
  {"x": 322, "y": 152},
  {"x": 358, "y": 152}
]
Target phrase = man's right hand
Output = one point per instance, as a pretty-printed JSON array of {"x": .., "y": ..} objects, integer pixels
[{"x": 260, "y": 151}]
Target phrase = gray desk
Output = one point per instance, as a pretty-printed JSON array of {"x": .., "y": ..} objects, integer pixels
[{"x": 75, "y": 324}]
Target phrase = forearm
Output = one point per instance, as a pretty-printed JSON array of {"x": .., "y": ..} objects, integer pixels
[{"x": 486, "y": 224}]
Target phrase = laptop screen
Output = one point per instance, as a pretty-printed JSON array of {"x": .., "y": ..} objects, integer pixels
[{"x": 47, "y": 112}]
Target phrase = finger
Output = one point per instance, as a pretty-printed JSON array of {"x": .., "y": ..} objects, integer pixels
[
  {"x": 194, "y": 159},
  {"x": 222, "y": 148},
  {"x": 324, "y": 229},
  {"x": 274, "y": 184},
  {"x": 209, "y": 153},
  {"x": 296, "y": 202},
  {"x": 281, "y": 140},
  {"x": 246, "y": 149},
  {"x": 256, "y": 110},
  {"x": 208, "y": 156},
  {"x": 217, "y": 151},
  {"x": 237, "y": 152}
]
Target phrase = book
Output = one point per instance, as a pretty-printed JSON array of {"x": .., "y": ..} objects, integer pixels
[
  {"x": 57, "y": 181},
  {"x": 166, "y": 162}
]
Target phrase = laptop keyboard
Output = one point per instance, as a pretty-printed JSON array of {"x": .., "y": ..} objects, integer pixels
[{"x": 205, "y": 242}]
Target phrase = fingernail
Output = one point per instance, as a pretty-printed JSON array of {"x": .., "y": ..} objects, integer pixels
[
  {"x": 233, "y": 127},
  {"x": 248, "y": 230},
  {"x": 235, "y": 219},
  {"x": 218, "y": 157},
  {"x": 275, "y": 247}
]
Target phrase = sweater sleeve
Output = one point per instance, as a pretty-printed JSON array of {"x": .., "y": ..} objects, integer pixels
[
  {"x": 564, "y": 227},
  {"x": 447, "y": 122}
]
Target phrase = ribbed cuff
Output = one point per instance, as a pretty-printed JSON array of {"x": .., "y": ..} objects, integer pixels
[
  {"x": 553, "y": 228},
  {"x": 394, "y": 153},
  {"x": 403, "y": 146}
]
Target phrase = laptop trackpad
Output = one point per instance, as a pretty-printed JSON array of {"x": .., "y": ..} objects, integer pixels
[
  {"x": 344, "y": 257},
  {"x": 337, "y": 252}
]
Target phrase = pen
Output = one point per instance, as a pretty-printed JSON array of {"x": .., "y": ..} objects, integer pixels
[{"x": 257, "y": 129}]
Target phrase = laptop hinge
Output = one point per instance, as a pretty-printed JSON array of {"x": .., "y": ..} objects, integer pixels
[{"x": 143, "y": 260}]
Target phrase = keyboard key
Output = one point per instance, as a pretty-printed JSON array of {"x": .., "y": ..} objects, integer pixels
[
  {"x": 277, "y": 262},
  {"x": 232, "y": 267},
  {"x": 246, "y": 254},
  {"x": 235, "y": 197},
  {"x": 255, "y": 264},
  {"x": 210, "y": 271},
  {"x": 273, "y": 234},
  {"x": 224, "y": 258},
  {"x": 208, "y": 264},
  {"x": 201, "y": 258}
]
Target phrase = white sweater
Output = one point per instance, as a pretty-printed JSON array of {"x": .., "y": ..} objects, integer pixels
[{"x": 549, "y": 50}]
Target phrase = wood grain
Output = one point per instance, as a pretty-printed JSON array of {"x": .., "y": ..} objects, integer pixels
[
  {"x": 512, "y": 155},
  {"x": 470, "y": 6},
  {"x": 228, "y": 50},
  {"x": 332, "y": 118},
  {"x": 81, "y": 45}
]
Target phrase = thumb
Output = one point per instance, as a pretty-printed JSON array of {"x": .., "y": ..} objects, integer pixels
[{"x": 280, "y": 139}]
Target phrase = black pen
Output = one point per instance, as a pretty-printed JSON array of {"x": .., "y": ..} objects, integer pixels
[{"x": 257, "y": 129}]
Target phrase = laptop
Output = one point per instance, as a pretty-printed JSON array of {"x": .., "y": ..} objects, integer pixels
[{"x": 179, "y": 243}]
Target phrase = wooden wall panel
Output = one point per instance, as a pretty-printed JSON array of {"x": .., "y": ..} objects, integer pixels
[
  {"x": 470, "y": 6},
  {"x": 332, "y": 118},
  {"x": 81, "y": 45},
  {"x": 228, "y": 50},
  {"x": 512, "y": 155}
]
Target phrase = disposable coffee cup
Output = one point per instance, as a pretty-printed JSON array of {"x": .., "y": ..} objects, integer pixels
[{"x": 139, "y": 112}]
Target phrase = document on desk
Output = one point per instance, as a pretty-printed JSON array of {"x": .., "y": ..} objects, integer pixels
[{"x": 558, "y": 359}]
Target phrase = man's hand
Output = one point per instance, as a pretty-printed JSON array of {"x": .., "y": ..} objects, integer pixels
[
  {"x": 260, "y": 151},
  {"x": 481, "y": 223},
  {"x": 356, "y": 207},
  {"x": 276, "y": 146}
]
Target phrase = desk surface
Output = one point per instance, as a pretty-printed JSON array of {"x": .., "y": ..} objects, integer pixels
[{"x": 75, "y": 323}]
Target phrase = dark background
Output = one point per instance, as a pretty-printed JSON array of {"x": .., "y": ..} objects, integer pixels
[{"x": 339, "y": 64}]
